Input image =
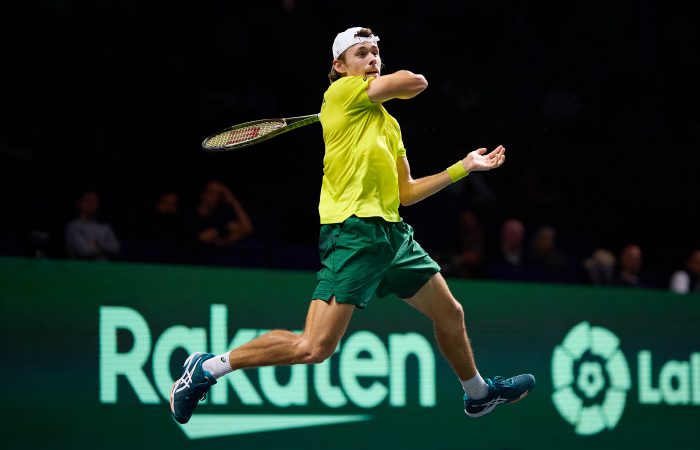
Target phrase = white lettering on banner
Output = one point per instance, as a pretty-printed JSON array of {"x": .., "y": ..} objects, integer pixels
[
  {"x": 362, "y": 354},
  {"x": 352, "y": 367},
  {"x": 331, "y": 396},
  {"x": 647, "y": 394},
  {"x": 130, "y": 364},
  {"x": 295, "y": 392},
  {"x": 684, "y": 391},
  {"x": 401, "y": 346}
]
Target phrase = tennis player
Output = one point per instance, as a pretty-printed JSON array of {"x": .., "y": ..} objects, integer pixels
[{"x": 365, "y": 246}]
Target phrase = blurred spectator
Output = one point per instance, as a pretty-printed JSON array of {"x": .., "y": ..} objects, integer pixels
[
  {"x": 630, "y": 267},
  {"x": 162, "y": 236},
  {"x": 507, "y": 262},
  {"x": 687, "y": 280},
  {"x": 544, "y": 260},
  {"x": 466, "y": 258},
  {"x": 88, "y": 238},
  {"x": 220, "y": 219},
  {"x": 166, "y": 221},
  {"x": 600, "y": 267}
]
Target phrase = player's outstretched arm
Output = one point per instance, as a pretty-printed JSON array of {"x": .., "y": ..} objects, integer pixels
[{"x": 412, "y": 191}]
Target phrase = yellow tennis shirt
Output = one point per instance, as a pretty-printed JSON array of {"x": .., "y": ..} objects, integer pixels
[{"x": 363, "y": 143}]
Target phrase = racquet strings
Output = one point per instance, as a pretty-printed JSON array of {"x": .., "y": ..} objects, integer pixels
[{"x": 237, "y": 136}]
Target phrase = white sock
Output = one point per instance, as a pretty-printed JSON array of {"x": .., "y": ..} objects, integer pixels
[
  {"x": 218, "y": 366},
  {"x": 475, "y": 387}
]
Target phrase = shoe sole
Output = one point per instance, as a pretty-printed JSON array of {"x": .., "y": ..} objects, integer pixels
[
  {"x": 490, "y": 409},
  {"x": 172, "y": 399}
]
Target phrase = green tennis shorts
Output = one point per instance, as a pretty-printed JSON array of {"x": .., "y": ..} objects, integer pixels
[{"x": 366, "y": 255}]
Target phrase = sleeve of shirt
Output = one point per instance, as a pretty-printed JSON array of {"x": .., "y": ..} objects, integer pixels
[
  {"x": 401, "y": 149},
  {"x": 351, "y": 92}
]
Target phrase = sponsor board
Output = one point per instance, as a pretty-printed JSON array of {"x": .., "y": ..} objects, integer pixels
[{"x": 92, "y": 351}]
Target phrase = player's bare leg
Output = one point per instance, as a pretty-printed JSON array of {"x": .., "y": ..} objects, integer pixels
[
  {"x": 325, "y": 325},
  {"x": 481, "y": 396},
  {"x": 435, "y": 301}
]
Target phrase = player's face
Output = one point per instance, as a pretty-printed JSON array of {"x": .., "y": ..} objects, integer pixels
[{"x": 363, "y": 60}]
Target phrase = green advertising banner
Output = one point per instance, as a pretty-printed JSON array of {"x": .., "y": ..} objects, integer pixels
[{"x": 91, "y": 351}]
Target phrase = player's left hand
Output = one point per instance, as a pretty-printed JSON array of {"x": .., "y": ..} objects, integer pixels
[{"x": 478, "y": 160}]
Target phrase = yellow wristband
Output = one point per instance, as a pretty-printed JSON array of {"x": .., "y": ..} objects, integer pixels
[{"x": 457, "y": 171}]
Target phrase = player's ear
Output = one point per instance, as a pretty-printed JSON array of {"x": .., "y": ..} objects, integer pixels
[{"x": 339, "y": 66}]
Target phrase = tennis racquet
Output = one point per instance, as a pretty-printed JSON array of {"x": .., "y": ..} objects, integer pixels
[{"x": 249, "y": 133}]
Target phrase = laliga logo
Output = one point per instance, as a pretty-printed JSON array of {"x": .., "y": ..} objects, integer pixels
[{"x": 591, "y": 379}]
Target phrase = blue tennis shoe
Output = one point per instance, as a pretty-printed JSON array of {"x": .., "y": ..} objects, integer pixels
[
  {"x": 501, "y": 391},
  {"x": 192, "y": 387}
]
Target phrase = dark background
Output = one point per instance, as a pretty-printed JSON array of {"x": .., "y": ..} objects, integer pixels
[{"x": 595, "y": 102}]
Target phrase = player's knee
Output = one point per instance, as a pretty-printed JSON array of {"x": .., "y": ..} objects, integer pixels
[
  {"x": 458, "y": 311},
  {"x": 452, "y": 316},
  {"x": 316, "y": 353},
  {"x": 321, "y": 353}
]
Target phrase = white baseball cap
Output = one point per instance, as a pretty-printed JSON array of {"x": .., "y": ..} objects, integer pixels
[{"x": 347, "y": 39}]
